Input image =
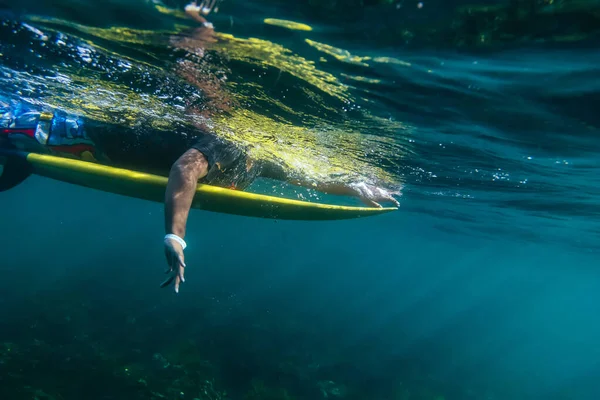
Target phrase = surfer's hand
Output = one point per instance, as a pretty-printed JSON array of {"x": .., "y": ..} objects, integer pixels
[
  {"x": 372, "y": 195},
  {"x": 176, "y": 262}
]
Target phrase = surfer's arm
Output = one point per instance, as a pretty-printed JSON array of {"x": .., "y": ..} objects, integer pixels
[
  {"x": 181, "y": 188},
  {"x": 369, "y": 194},
  {"x": 183, "y": 178}
]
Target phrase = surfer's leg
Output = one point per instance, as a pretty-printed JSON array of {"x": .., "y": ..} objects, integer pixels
[
  {"x": 22, "y": 127},
  {"x": 68, "y": 137},
  {"x": 17, "y": 129},
  {"x": 13, "y": 171},
  {"x": 57, "y": 132}
]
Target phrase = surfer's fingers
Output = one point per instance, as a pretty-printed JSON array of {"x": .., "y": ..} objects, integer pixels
[
  {"x": 393, "y": 200},
  {"x": 180, "y": 271},
  {"x": 177, "y": 282},
  {"x": 180, "y": 267},
  {"x": 207, "y": 6},
  {"x": 202, "y": 6},
  {"x": 169, "y": 265},
  {"x": 167, "y": 281},
  {"x": 169, "y": 257},
  {"x": 180, "y": 260},
  {"x": 371, "y": 203},
  {"x": 212, "y": 5}
]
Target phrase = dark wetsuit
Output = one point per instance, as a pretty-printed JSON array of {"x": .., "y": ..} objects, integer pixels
[{"x": 140, "y": 148}]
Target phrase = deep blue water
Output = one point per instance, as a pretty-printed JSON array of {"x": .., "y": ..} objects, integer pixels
[{"x": 484, "y": 285}]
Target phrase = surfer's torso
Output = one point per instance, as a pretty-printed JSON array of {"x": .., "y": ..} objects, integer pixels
[{"x": 141, "y": 147}]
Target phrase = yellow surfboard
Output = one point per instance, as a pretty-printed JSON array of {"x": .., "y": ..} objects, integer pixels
[{"x": 210, "y": 198}]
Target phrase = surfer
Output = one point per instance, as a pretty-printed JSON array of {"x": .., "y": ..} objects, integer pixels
[
  {"x": 188, "y": 158},
  {"x": 192, "y": 154}
]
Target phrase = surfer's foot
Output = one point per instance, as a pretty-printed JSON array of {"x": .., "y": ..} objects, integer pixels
[
  {"x": 206, "y": 7},
  {"x": 209, "y": 5}
]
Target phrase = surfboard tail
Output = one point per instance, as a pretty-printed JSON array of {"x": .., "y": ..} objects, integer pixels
[{"x": 13, "y": 171}]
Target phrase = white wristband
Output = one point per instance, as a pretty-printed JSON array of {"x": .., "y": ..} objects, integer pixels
[{"x": 177, "y": 239}]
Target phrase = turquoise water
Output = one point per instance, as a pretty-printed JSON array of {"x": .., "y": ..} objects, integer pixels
[{"x": 484, "y": 285}]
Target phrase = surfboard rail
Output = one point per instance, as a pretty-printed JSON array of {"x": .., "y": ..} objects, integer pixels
[{"x": 209, "y": 198}]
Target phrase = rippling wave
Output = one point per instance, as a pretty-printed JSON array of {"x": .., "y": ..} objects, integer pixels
[
  {"x": 484, "y": 285},
  {"x": 511, "y": 133}
]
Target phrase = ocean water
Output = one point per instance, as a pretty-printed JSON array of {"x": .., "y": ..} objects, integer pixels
[{"x": 483, "y": 285}]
